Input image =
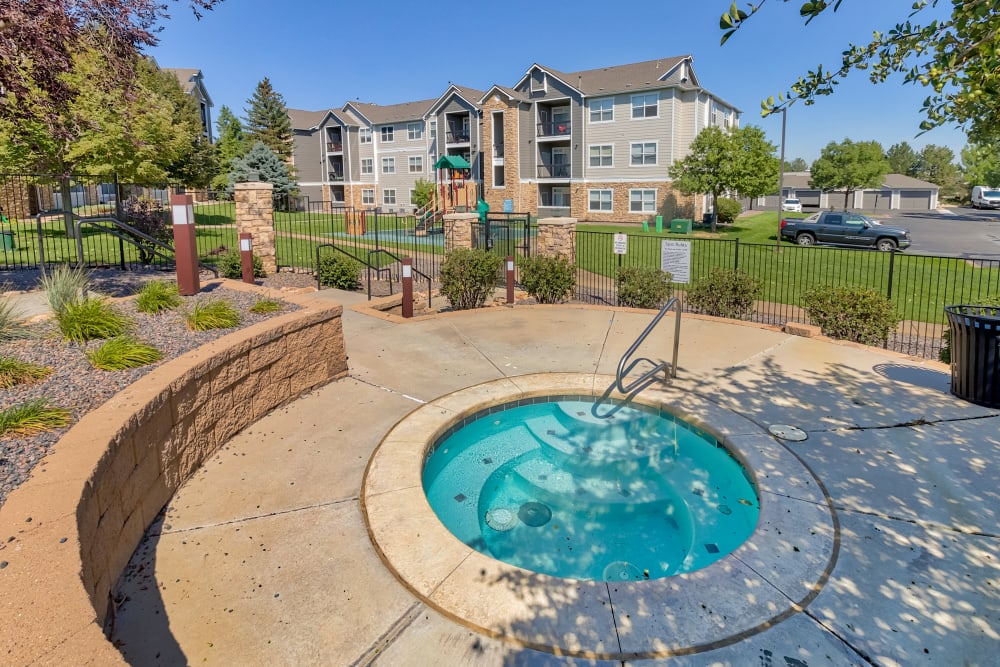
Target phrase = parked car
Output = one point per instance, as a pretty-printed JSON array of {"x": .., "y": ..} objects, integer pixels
[
  {"x": 791, "y": 205},
  {"x": 844, "y": 228},
  {"x": 984, "y": 197}
]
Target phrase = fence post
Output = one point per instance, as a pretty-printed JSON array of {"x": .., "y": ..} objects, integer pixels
[
  {"x": 255, "y": 216},
  {"x": 736, "y": 255},
  {"x": 892, "y": 263}
]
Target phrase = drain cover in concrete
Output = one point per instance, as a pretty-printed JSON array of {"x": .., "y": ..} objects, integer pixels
[{"x": 786, "y": 432}]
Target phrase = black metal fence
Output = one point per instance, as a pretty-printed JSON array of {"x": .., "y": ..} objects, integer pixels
[{"x": 920, "y": 286}]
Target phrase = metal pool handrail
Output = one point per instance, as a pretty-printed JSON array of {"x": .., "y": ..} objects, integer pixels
[{"x": 657, "y": 366}]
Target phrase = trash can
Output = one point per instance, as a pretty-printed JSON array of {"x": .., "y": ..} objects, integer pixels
[
  {"x": 7, "y": 240},
  {"x": 680, "y": 226},
  {"x": 659, "y": 224},
  {"x": 975, "y": 353}
]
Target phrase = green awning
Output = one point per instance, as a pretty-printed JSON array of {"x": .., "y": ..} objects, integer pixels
[{"x": 452, "y": 162}]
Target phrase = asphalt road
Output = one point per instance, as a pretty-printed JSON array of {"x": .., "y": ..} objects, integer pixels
[{"x": 960, "y": 232}]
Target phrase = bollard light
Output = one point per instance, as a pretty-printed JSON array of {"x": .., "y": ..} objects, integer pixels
[
  {"x": 246, "y": 257},
  {"x": 185, "y": 244},
  {"x": 407, "y": 303}
]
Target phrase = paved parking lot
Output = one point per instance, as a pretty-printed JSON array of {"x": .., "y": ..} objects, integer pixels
[{"x": 954, "y": 232}]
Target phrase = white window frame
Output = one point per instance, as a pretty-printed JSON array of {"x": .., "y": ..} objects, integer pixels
[
  {"x": 600, "y": 156},
  {"x": 388, "y": 165},
  {"x": 367, "y": 196},
  {"x": 645, "y": 205},
  {"x": 418, "y": 162},
  {"x": 365, "y": 135},
  {"x": 388, "y": 196},
  {"x": 367, "y": 165},
  {"x": 644, "y": 144},
  {"x": 597, "y": 107},
  {"x": 388, "y": 134},
  {"x": 434, "y": 129},
  {"x": 564, "y": 194},
  {"x": 600, "y": 192},
  {"x": 414, "y": 131},
  {"x": 645, "y": 106}
]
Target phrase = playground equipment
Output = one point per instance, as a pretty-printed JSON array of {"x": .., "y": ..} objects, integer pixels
[{"x": 453, "y": 193}]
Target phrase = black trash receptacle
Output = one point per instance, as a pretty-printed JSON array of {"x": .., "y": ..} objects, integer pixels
[{"x": 975, "y": 353}]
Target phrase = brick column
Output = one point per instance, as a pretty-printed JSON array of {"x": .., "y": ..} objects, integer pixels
[
  {"x": 255, "y": 215},
  {"x": 458, "y": 230},
  {"x": 557, "y": 238}
]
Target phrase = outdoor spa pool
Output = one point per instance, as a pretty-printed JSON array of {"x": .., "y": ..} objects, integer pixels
[{"x": 589, "y": 489}]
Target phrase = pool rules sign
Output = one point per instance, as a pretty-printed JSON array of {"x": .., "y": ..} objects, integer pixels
[{"x": 675, "y": 258}]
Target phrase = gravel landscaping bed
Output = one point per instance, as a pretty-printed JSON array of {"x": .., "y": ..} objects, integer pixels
[{"x": 78, "y": 386}]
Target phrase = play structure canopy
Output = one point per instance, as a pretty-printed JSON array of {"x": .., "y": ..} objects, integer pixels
[{"x": 452, "y": 162}]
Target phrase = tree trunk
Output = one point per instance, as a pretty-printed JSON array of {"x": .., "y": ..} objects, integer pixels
[
  {"x": 715, "y": 211},
  {"x": 66, "y": 194}
]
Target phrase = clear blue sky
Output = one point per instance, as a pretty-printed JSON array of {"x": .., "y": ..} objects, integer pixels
[{"x": 319, "y": 54}]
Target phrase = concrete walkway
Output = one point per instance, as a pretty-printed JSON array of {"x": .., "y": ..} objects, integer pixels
[{"x": 264, "y": 557}]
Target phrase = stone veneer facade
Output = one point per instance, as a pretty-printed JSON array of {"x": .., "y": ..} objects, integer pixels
[
  {"x": 255, "y": 214},
  {"x": 669, "y": 202},
  {"x": 523, "y": 194},
  {"x": 69, "y": 533},
  {"x": 557, "y": 238}
]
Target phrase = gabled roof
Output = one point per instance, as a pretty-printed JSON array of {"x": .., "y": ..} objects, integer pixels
[
  {"x": 307, "y": 120},
  {"x": 470, "y": 95},
  {"x": 509, "y": 93},
  {"x": 800, "y": 180},
  {"x": 393, "y": 113},
  {"x": 190, "y": 79},
  {"x": 647, "y": 75}
]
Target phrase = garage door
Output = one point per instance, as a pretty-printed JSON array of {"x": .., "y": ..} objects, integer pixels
[
  {"x": 809, "y": 198},
  {"x": 877, "y": 200},
  {"x": 915, "y": 200}
]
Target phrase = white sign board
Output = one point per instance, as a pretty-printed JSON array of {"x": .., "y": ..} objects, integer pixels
[
  {"x": 675, "y": 258},
  {"x": 621, "y": 244}
]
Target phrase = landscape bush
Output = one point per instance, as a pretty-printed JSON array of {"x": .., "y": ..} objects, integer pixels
[
  {"x": 90, "y": 319},
  {"x": 469, "y": 276},
  {"x": 147, "y": 216},
  {"x": 339, "y": 271},
  {"x": 856, "y": 314},
  {"x": 548, "y": 279},
  {"x": 230, "y": 265},
  {"x": 157, "y": 296},
  {"x": 729, "y": 210},
  {"x": 212, "y": 314},
  {"x": 123, "y": 352},
  {"x": 643, "y": 287},
  {"x": 63, "y": 285},
  {"x": 725, "y": 293}
]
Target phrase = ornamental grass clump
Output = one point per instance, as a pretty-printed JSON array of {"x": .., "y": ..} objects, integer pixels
[
  {"x": 857, "y": 314},
  {"x": 14, "y": 372},
  {"x": 265, "y": 306},
  {"x": 32, "y": 417},
  {"x": 64, "y": 286},
  {"x": 157, "y": 296},
  {"x": 123, "y": 352},
  {"x": 212, "y": 314},
  {"x": 12, "y": 324},
  {"x": 90, "y": 319}
]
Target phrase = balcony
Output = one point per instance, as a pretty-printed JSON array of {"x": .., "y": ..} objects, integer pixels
[
  {"x": 457, "y": 136},
  {"x": 332, "y": 147},
  {"x": 498, "y": 150},
  {"x": 556, "y": 128},
  {"x": 335, "y": 175},
  {"x": 550, "y": 170}
]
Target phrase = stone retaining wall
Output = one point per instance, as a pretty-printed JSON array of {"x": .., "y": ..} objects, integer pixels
[{"x": 67, "y": 534}]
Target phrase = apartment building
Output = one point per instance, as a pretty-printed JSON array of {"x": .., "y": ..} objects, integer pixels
[
  {"x": 193, "y": 83},
  {"x": 595, "y": 144}
]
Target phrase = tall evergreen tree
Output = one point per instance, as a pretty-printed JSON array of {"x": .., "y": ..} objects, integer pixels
[
  {"x": 902, "y": 159},
  {"x": 267, "y": 120}
]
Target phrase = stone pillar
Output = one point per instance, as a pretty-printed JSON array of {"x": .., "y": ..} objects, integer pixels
[
  {"x": 557, "y": 238},
  {"x": 458, "y": 230},
  {"x": 255, "y": 216}
]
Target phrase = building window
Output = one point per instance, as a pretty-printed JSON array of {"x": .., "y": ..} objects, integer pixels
[
  {"x": 645, "y": 106},
  {"x": 642, "y": 201},
  {"x": 414, "y": 131},
  {"x": 388, "y": 165},
  {"x": 600, "y": 201},
  {"x": 413, "y": 196},
  {"x": 434, "y": 129},
  {"x": 416, "y": 164},
  {"x": 601, "y": 156},
  {"x": 367, "y": 166},
  {"x": 602, "y": 111},
  {"x": 365, "y": 135},
  {"x": 368, "y": 197},
  {"x": 644, "y": 154},
  {"x": 387, "y": 134},
  {"x": 389, "y": 197}
]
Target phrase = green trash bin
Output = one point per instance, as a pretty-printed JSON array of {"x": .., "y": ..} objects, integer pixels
[
  {"x": 7, "y": 240},
  {"x": 659, "y": 224},
  {"x": 680, "y": 226}
]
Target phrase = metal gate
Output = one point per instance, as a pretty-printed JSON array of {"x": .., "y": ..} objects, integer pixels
[{"x": 506, "y": 234}]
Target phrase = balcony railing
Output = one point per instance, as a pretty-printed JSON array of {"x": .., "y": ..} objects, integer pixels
[
  {"x": 336, "y": 175},
  {"x": 557, "y": 128},
  {"x": 334, "y": 147},
  {"x": 498, "y": 150},
  {"x": 458, "y": 137},
  {"x": 549, "y": 170}
]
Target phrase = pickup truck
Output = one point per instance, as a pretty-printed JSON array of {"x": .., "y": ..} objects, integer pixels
[{"x": 844, "y": 228}]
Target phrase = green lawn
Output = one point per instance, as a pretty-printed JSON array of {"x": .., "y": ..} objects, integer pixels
[{"x": 752, "y": 228}]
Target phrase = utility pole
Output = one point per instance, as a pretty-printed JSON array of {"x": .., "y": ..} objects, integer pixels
[{"x": 781, "y": 180}]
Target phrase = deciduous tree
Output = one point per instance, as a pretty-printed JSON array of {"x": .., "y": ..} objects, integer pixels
[
  {"x": 902, "y": 158},
  {"x": 798, "y": 164},
  {"x": 850, "y": 166},
  {"x": 230, "y": 144},
  {"x": 981, "y": 165}
]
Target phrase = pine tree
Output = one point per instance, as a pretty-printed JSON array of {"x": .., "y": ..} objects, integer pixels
[
  {"x": 267, "y": 120},
  {"x": 260, "y": 162}
]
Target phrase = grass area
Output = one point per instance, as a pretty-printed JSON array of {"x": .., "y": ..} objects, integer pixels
[{"x": 754, "y": 228}]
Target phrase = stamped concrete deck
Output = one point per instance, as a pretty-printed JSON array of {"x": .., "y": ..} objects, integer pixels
[{"x": 264, "y": 557}]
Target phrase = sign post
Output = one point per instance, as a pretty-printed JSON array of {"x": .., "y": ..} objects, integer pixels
[{"x": 185, "y": 247}]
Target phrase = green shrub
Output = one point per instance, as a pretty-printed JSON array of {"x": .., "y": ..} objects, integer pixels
[
  {"x": 725, "y": 293},
  {"x": 32, "y": 417},
  {"x": 230, "y": 265},
  {"x": 264, "y": 306},
  {"x": 157, "y": 296},
  {"x": 729, "y": 210},
  {"x": 89, "y": 319},
  {"x": 14, "y": 372},
  {"x": 548, "y": 279},
  {"x": 856, "y": 314},
  {"x": 643, "y": 287},
  {"x": 339, "y": 271},
  {"x": 212, "y": 314},
  {"x": 63, "y": 286},
  {"x": 468, "y": 277},
  {"x": 123, "y": 352}
]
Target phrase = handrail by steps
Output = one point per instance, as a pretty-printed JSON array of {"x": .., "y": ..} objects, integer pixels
[{"x": 657, "y": 366}]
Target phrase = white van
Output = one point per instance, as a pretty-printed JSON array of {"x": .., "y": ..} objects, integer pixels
[{"x": 984, "y": 197}]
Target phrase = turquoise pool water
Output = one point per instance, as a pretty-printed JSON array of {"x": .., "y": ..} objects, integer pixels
[{"x": 596, "y": 491}]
